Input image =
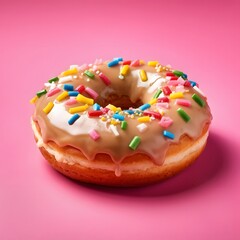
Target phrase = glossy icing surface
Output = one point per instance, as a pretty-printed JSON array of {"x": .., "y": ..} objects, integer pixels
[{"x": 146, "y": 120}]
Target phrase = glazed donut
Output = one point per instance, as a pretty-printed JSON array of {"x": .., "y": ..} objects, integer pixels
[{"x": 120, "y": 123}]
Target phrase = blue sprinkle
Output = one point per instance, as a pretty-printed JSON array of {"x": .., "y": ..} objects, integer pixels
[
  {"x": 184, "y": 76},
  {"x": 96, "y": 107},
  {"x": 129, "y": 111},
  {"x": 144, "y": 106},
  {"x": 193, "y": 83},
  {"x": 118, "y": 116},
  {"x": 73, "y": 93},
  {"x": 168, "y": 134},
  {"x": 73, "y": 119},
  {"x": 119, "y": 59},
  {"x": 68, "y": 87},
  {"x": 113, "y": 63}
]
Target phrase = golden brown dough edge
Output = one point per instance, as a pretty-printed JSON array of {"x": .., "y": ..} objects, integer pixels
[{"x": 127, "y": 178}]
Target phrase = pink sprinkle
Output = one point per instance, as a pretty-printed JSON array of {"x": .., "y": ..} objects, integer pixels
[
  {"x": 183, "y": 102},
  {"x": 165, "y": 122},
  {"x": 105, "y": 110},
  {"x": 104, "y": 79},
  {"x": 94, "y": 68},
  {"x": 83, "y": 67},
  {"x": 80, "y": 88},
  {"x": 181, "y": 81},
  {"x": 71, "y": 101},
  {"x": 173, "y": 83},
  {"x": 135, "y": 63},
  {"x": 53, "y": 91},
  {"x": 163, "y": 105},
  {"x": 91, "y": 92},
  {"x": 180, "y": 88},
  {"x": 94, "y": 135}
]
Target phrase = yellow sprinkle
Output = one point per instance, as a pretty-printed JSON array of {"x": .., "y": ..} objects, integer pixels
[
  {"x": 70, "y": 72},
  {"x": 48, "y": 108},
  {"x": 82, "y": 99},
  {"x": 103, "y": 119},
  {"x": 162, "y": 112},
  {"x": 144, "y": 119},
  {"x": 124, "y": 70},
  {"x": 112, "y": 108},
  {"x": 152, "y": 63},
  {"x": 143, "y": 75},
  {"x": 141, "y": 62},
  {"x": 114, "y": 122},
  {"x": 151, "y": 102},
  {"x": 62, "y": 96},
  {"x": 78, "y": 109},
  {"x": 176, "y": 95},
  {"x": 33, "y": 100}
]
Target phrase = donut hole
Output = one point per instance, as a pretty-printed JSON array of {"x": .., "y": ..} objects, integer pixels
[{"x": 124, "y": 102}]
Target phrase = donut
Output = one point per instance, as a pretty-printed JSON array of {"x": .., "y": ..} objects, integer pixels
[{"x": 120, "y": 122}]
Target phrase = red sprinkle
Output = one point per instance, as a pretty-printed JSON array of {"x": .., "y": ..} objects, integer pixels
[
  {"x": 126, "y": 62},
  {"x": 163, "y": 99},
  {"x": 96, "y": 113},
  {"x": 152, "y": 114},
  {"x": 166, "y": 90},
  {"x": 170, "y": 74},
  {"x": 80, "y": 88},
  {"x": 135, "y": 63},
  {"x": 104, "y": 79},
  {"x": 174, "y": 78},
  {"x": 105, "y": 110},
  {"x": 187, "y": 84}
]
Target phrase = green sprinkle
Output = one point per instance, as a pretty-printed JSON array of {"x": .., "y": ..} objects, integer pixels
[
  {"x": 156, "y": 95},
  {"x": 89, "y": 74},
  {"x": 183, "y": 114},
  {"x": 198, "y": 100},
  {"x": 135, "y": 142},
  {"x": 55, "y": 79},
  {"x": 124, "y": 125},
  {"x": 178, "y": 73},
  {"x": 42, "y": 92}
]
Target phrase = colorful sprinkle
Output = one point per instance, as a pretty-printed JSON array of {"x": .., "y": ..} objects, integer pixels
[
  {"x": 157, "y": 93},
  {"x": 68, "y": 87},
  {"x": 80, "y": 88},
  {"x": 112, "y": 107},
  {"x": 165, "y": 122},
  {"x": 164, "y": 105},
  {"x": 129, "y": 111},
  {"x": 119, "y": 59},
  {"x": 198, "y": 100},
  {"x": 168, "y": 134},
  {"x": 144, "y": 106},
  {"x": 34, "y": 99},
  {"x": 104, "y": 79},
  {"x": 65, "y": 79},
  {"x": 70, "y": 72},
  {"x": 124, "y": 125},
  {"x": 193, "y": 83},
  {"x": 62, "y": 96},
  {"x": 143, "y": 75},
  {"x": 55, "y": 79},
  {"x": 83, "y": 99},
  {"x": 124, "y": 70},
  {"x": 142, "y": 127},
  {"x": 166, "y": 90},
  {"x": 96, "y": 106},
  {"x": 71, "y": 101},
  {"x": 89, "y": 74},
  {"x": 73, "y": 119},
  {"x": 91, "y": 92},
  {"x": 135, "y": 142},
  {"x": 95, "y": 113},
  {"x": 94, "y": 134},
  {"x": 178, "y": 73},
  {"x": 183, "y": 114},
  {"x": 73, "y": 93},
  {"x": 198, "y": 90},
  {"x": 118, "y": 116},
  {"x": 114, "y": 130},
  {"x": 183, "y": 102},
  {"x": 113, "y": 63},
  {"x": 156, "y": 115},
  {"x": 144, "y": 119},
  {"x": 169, "y": 74},
  {"x": 53, "y": 91},
  {"x": 48, "y": 108},
  {"x": 163, "y": 99},
  {"x": 152, "y": 101},
  {"x": 176, "y": 95},
  {"x": 78, "y": 109},
  {"x": 135, "y": 63},
  {"x": 127, "y": 62},
  {"x": 153, "y": 63},
  {"x": 187, "y": 84},
  {"x": 42, "y": 92}
]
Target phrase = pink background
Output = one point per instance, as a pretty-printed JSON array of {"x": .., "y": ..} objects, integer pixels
[{"x": 40, "y": 39}]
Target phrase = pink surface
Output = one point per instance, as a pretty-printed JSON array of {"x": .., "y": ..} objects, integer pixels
[{"x": 39, "y": 40}]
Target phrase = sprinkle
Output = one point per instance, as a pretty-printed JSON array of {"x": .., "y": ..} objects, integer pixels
[
  {"x": 118, "y": 116},
  {"x": 152, "y": 101},
  {"x": 48, "y": 108},
  {"x": 169, "y": 74},
  {"x": 124, "y": 70},
  {"x": 165, "y": 122},
  {"x": 124, "y": 125},
  {"x": 164, "y": 105},
  {"x": 119, "y": 59},
  {"x": 181, "y": 81},
  {"x": 78, "y": 109},
  {"x": 113, "y": 63},
  {"x": 173, "y": 78},
  {"x": 114, "y": 130},
  {"x": 153, "y": 63},
  {"x": 198, "y": 100},
  {"x": 180, "y": 88},
  {"x": 172, "y": 83},
  {"x": 144, "y": 106},
  {"x": 183, "y": 114},
  {"x": 184, "y": 76},
  {"x": 144, "y": 119},
  {"x": 168, "y": 134},
  {"x": 142, "y": 127},
  {"x": 65, "y": 79},
  {"x": 53, "y": 91},
  {"x": 73, "y": 93},
  {"x": 135, "y": 142},
  {"x": 80, "y": 88},
  {"x": 135, "y": 63},
  {"x": 129, "y": 111},
  {"x": 62, "y": 96},
  {"x": 91, "y": 92},
  {"x": 163, "y": 99},
  {"x": 96, "y": 113},
  {"x": 83, "y": 67},
  {"x": 70, "y": 72},
  {"x": 96, "y": 106},
  {"x": 143, "y": 75},
  {"x": 157, "y": 93},
  {"x": 83, "y": 99},
  {"x": 55, "y": 79},
  {"x": 103, "y": 119},
  {"x": 68, "y": 87},
  {"x": 42, "y": 92},
  {"x": 199, "y": 91},
  {"x": 89, "y": 74},
  {"x": 127, "y": 62},
  {"x": 176, "y": 95},
  {"x": 94, "y": 134},
  {"x": 152, "y": 114},
  {"x": 33, "y": 100},
  {"x": 104, "y": 79},
  {"x": 113, "y": 122},
  {"x": 166, "y": 90},
  {"x": 71, "y": 101},
  {"x": 178, "y": 73},
  {"x": 193, "y": 83},
  {"x": 73, "y": 119},
  {"x": 187, "y": 84},
  {"x": 183, "y": 102},
  {"x": 112, "y": 107}
]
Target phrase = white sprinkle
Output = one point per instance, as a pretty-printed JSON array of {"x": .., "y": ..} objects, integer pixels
[
  {"x": 114, "y": 130},
  {"x": 121, "y": 76},
  {"x": 142, "y": 127},
  {"x": 65, "y": 79},
  {"x": 199, "y": 91}
]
